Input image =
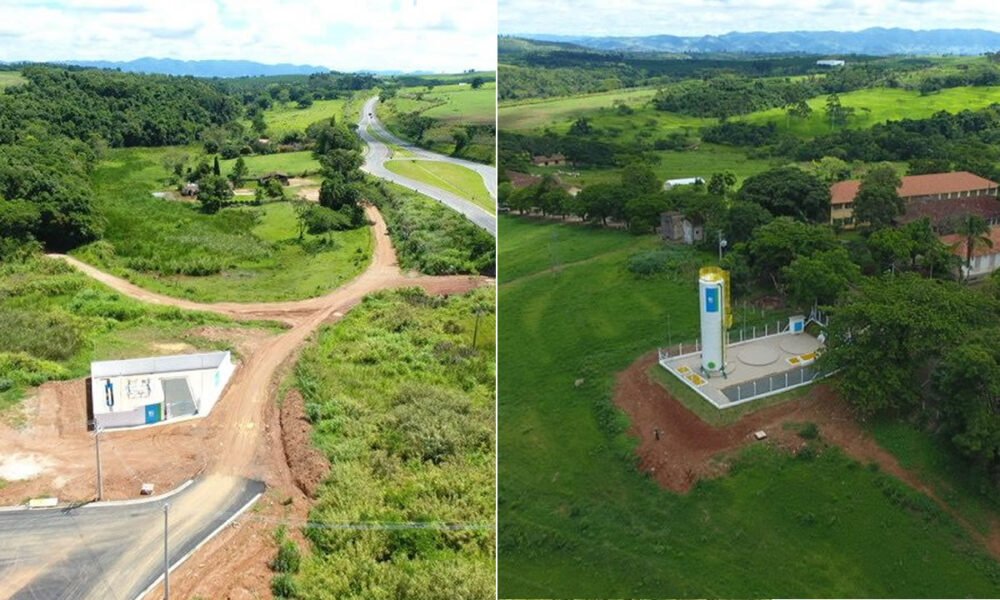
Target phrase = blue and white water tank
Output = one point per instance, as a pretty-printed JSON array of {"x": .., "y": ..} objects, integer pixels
[{"x": 712, "y": 291}]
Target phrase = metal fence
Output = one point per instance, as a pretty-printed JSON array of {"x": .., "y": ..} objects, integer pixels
[{"x": 770, "y": 384}]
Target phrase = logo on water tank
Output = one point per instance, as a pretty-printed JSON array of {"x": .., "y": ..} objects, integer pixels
[{"x": 712, "y": 299}]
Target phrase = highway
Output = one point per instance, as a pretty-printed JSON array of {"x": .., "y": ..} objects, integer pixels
[
  {"x": 111, "y": 550},
  {"x": 373, "y": 133}
]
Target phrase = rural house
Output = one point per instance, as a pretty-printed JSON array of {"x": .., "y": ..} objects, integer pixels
[
  {"x": 675, "y": 227},
  {"x": 556, "y": 160},
  {"x": 914, "y": 188},
  {"x": 985, "y": 259},
  {"x": 672, "y": 183}
]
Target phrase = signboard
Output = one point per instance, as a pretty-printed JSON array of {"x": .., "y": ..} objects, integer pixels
[{"x": 712, "y": 299}]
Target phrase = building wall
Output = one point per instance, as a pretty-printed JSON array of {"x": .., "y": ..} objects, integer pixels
[
  {"x": 983, "y": 265},
  {"x": 133, "y": 393}
]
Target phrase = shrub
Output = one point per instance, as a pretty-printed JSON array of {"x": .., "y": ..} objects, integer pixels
[
  {"x": 283, "y": 586},
  {"x": 809, "y": 431},
  {"x": 288, "y": 558}
]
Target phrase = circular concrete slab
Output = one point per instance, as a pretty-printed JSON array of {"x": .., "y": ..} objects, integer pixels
[
  {"x": 758, "y": 355},
  {"x": 798, "y": 344}
]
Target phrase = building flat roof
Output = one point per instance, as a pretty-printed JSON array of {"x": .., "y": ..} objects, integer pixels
[
  {"x": 158, "y": 364},
  {"x": 941, "y": 211},
  {"x": 843, "y": 192}
]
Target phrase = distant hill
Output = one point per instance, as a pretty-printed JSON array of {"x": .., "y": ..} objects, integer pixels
[
  {"x": 875, "y": 41},
  {"x": 200, "y": 68}
]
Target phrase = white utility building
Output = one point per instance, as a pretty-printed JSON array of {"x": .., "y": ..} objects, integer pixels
[{"x": 145, "y": 391}]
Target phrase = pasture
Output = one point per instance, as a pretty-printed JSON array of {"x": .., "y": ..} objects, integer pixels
[
  {"x": 9, "y": 78},
  {"x": 449, "y": 177},
  {"x": 288, "y": 117},
  {"x": 873, "y": 106},
  {"x": 296, "y": 164},
  {"x": 538, "y": 114},
  {"x": 464, "y": 104},
  {"x": 578, "y": 520},
  {"x": 240, "y": 254}
]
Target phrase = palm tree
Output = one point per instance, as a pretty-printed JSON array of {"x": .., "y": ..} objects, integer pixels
[{"x": 975, "y": 231}]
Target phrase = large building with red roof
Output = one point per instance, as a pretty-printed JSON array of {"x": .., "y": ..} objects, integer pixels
[{"x": 928, "y": 188}]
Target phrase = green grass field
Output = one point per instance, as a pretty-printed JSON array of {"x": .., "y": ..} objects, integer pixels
[
  {"x": 578, "y": 520},
  {"x": 882, "y": 104},
  {"x": 9, "y": 78},
  {"x": 464, "y": 104},
  {"x": 450, "y": 177},
  {"x": 293, "y": 163},
  {"x": 538, "y": 114},
  {"x": 253, "y": 253},
  {"x": 286, "y": 118}
]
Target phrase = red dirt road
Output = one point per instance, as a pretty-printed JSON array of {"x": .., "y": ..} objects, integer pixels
[
  {"x": 690, "y": 449},
  {"x": 241, "y": 437}
]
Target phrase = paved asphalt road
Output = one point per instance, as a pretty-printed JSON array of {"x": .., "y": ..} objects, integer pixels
[
  {"x": 109, "y": 551},
  {"x": 379, "y": 152}
]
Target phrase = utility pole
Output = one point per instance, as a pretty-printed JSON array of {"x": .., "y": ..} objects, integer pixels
[
  {"x": 166, "y": 559},
  {"x": 722, "y": 244},
  {"x": 475, "y": 331},
  {"x": 100, "y": 475}
]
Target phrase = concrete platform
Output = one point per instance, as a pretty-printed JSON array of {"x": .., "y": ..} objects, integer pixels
[{"x": 754, "y": 368}]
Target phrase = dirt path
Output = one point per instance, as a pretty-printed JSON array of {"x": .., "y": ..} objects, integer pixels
[
  {"x": 242, "y": 436},
  {"x": 689, "y": 449}
]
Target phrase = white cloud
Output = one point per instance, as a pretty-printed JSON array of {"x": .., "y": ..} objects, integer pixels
[
  {"x": 714, "y": 17},
  {"x": 438, "y": 35}
]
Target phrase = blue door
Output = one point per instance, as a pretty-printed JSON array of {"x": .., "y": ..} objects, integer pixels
[{"x": 154, "y": 413}]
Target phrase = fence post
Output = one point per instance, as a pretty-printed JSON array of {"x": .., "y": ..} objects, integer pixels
[
  {"x": 741, "y": 335},
  {"x": 739, "y": 392},
  {"x": 802, "y": 379},
  {"x": 754, "y": 387},
  {"x": 786, "y": 378},
  {"x": 754, "y": 332}
]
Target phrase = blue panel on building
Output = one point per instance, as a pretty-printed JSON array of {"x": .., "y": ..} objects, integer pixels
[
  {"x": 712, "y": 299},
  {"x": 154, "y": 413},
  {"x": 798, "y": 326}
]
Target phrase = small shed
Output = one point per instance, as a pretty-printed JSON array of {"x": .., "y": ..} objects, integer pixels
[
  {"x": 675, "y": 227},
  {"x": 190, "y": 189},
  {"x": 278, "y": 175},
  {"x": 830, "y": 62},
  {"x": 145, "y": 391}
]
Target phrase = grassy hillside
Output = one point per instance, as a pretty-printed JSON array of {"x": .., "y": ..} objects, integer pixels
[
  {"x": 454, "y": 108},
  {"x": 293, "y": 163},
  {"x": 403, "y": 406},
  {"x": 241, "y": 254},
  {"x": 879, "y": 105},
  {"x": 54, "y": 321},
  {"x": 578, "y": 520},
  {"x": 9, "y": 78},
  {"x": 537, "y": 114}
]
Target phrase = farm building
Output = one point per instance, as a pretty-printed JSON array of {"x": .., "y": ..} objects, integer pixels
[
  {"x": 190, "y": 189},
  {"x": 282, "y": 177},
  {"x": 143, "y": 391},
  {"x": 830, "y": 62},
  {"x": 914, "y": 188},
  {"x": 556, "y": 160},
  {"x": 674, "y": 226},
  {"x": 945, "y": 214},
  {"x": 672, "y": 183},
  {"x": 985, "y": 259}
]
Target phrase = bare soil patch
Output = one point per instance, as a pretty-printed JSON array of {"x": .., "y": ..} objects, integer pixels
[{"x": 309, "y": 466}]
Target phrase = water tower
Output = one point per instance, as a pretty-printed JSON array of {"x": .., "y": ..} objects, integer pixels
[{"x": 713, "y": 290}]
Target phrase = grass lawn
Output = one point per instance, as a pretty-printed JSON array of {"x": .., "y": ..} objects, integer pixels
[
  {"x": 578, "y": 520},
  {"x": 882, "y": 104},
  {"x": 241, "y": 254},
  {"x": 449, "y": 177},
  {"x": 293, "y": 163},
  {"x": 9, "y": 78},
  {"x": 544, "y": 113}
]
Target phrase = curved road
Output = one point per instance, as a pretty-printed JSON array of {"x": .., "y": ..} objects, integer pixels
[
  {"x": 115, "y": 551},
  {"x": 379, "y": 152}
]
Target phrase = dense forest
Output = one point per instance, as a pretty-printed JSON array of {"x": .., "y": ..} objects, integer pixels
[{"x": 119, "y": 108}]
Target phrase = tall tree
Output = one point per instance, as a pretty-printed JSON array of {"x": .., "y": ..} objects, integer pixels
[
  {"x": 788, "y": 191},
  {"x": 975, "y": 232},
  {"x": 877, "y": 202}
]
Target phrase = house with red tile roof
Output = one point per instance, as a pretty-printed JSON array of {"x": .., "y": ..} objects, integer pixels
[
  {"x": 985, "y": 259},
  {"x": 914, "y": 188}
]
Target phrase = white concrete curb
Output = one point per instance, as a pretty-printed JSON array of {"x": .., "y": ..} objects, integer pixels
[{"x": 104, "y": 503}]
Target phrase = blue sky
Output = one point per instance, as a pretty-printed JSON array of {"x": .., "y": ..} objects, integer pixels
[
  {"x": 429, "y": 35},
  {"x": 714, "y": 17}
]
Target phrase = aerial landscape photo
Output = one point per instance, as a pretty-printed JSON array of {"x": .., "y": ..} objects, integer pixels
[
  {"x": 749, "y": 296},
  {"x": 247, "y": 306}
]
